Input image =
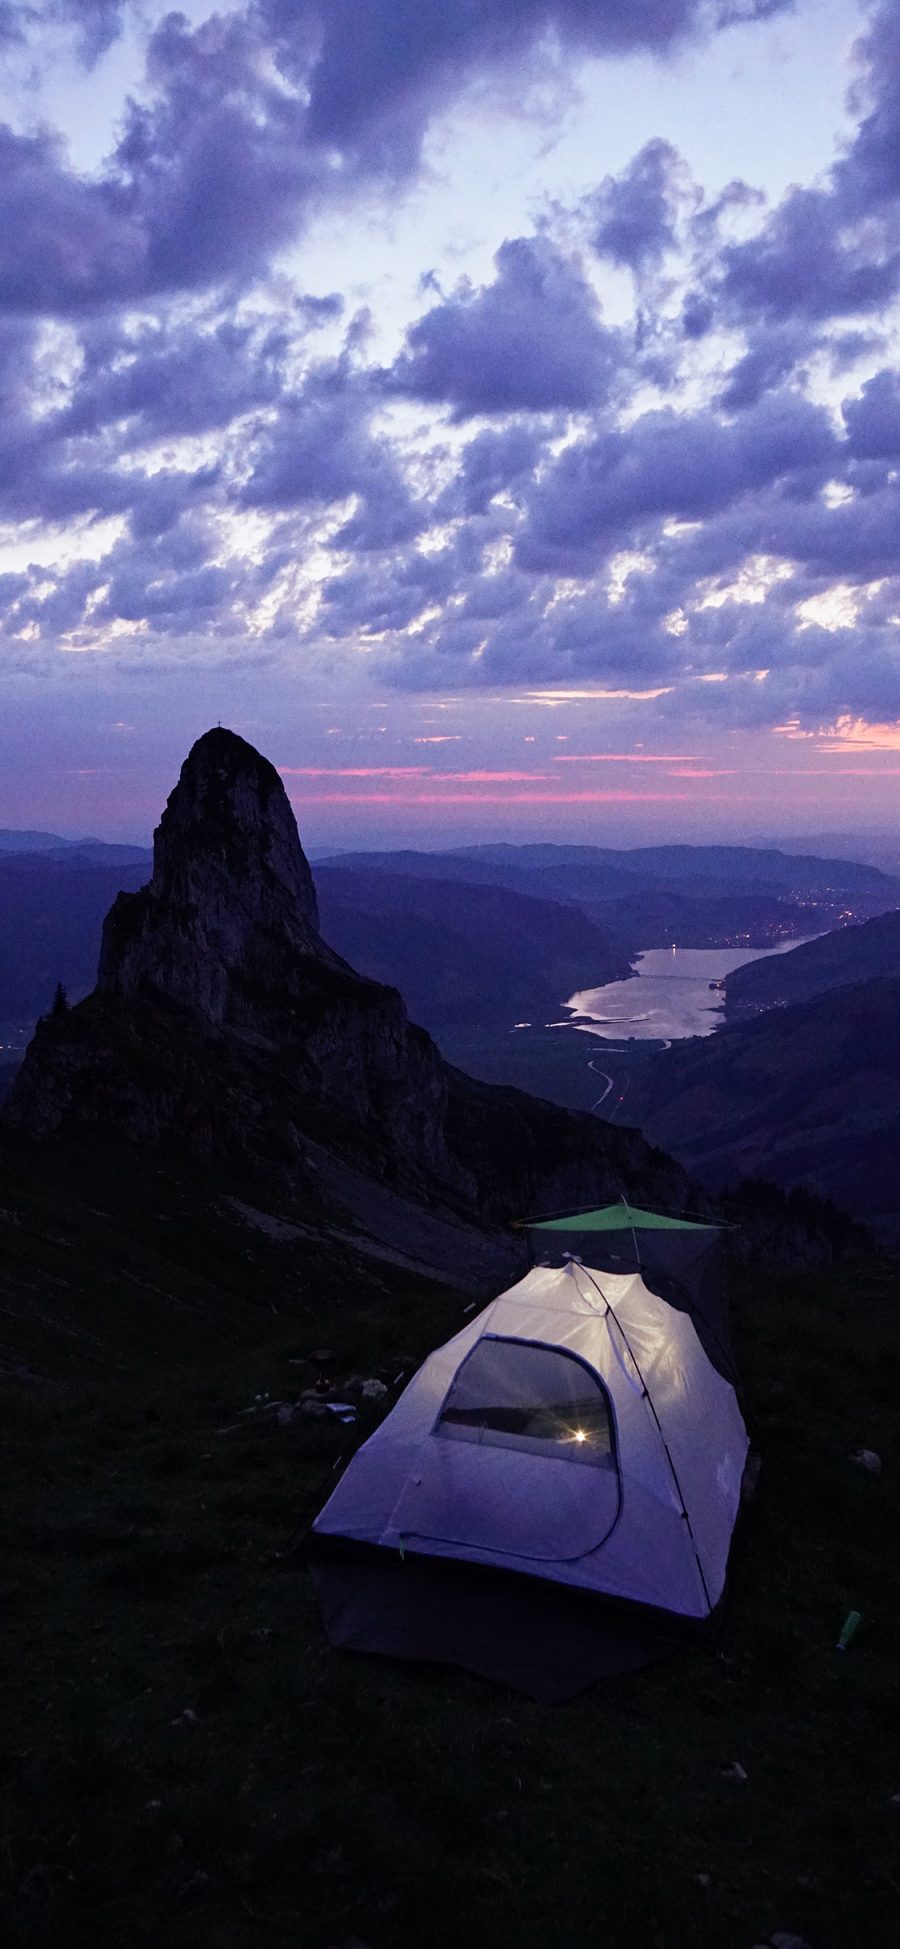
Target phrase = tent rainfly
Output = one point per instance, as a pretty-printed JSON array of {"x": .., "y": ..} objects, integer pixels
[{"x": 554, "y": 1494}]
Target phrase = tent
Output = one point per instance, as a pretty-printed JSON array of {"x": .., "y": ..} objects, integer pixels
[
  {"x": 679, "y": 1258},
  {"x": 553, "y": 1496}
]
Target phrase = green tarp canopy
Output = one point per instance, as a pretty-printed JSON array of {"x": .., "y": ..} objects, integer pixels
[
  {"x": 680, "y": 1259},
  {"x": 617, "y": 1218}
]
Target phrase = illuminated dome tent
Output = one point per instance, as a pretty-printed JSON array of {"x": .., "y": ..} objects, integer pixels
[
  {"x": 678, "y": 1258},
  {"x": 554, "y": 1494}
]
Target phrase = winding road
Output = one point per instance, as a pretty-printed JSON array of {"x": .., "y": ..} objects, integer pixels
[{"x": 610, "y": 1082}]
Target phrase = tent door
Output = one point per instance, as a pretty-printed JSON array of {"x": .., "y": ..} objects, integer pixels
[{"x": 499, "y": 1499}]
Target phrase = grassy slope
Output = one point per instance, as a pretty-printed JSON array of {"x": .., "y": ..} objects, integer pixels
[
  {"x": 116, "y": 1262},
  {"x": 804, "y": 1095},
  {"x": 322, "y": 1799}
]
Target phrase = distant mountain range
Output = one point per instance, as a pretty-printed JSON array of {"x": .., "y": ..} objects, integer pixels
[
  {"x": 699, "y": 896},
  {"x": 480, "y": 938},
  {"x": 698, "y": 869},
  {"x": 23, "y": 841},
  {"x": 49, "y": 846},
  {"x": 477, "y": 938},
  {"x": 460, "y": 954},
  {"x": 875, "y": 848}
]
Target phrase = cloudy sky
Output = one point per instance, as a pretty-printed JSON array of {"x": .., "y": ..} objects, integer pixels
[{"x": 488, "y": 407}]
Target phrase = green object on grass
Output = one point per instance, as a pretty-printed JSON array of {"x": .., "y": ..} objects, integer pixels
[{"x": 849, "y": 1629}]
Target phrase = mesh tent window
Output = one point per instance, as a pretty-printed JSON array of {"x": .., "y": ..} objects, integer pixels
[{"x": 523, "y": 1394}]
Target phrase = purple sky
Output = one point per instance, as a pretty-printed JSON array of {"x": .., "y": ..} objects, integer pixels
[{"x": 490, "y": 408}]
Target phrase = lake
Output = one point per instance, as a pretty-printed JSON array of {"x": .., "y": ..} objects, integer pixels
[{"x": 669, "y": 995}]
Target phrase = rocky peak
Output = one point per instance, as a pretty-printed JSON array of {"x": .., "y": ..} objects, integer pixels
[
  {"x": 229, "y": 818},
  {"x": 231, "y": 903},
  {"x": 222, "y": 1024}
]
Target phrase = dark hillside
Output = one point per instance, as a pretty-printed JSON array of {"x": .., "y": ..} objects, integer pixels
[
  {"x": 116, "y": 1261},
  {"x": 665, "y": 917},
  {"x": 463, "y": 955},
  {"x": 805, "y": 1095},
  {"x": 848, "y": 955},
  {"x": 188, "y": 1763}
]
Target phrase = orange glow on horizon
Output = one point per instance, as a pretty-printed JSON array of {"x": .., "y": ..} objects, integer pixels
[{"x": 849, "y": 734}]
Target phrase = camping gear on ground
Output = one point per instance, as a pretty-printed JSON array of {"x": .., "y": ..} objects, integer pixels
[{"x": 553, "y": 1496}]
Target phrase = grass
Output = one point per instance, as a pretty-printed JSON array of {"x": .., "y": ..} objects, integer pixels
[
  {"x": 188, "y": 1763},
  {"x": 109, "y": 1268}
]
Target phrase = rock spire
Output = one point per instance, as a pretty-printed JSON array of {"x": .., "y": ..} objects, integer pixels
[{"x": 231, "y": 904}]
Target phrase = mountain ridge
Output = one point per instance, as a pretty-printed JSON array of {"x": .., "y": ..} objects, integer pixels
[
  {"x": 805, "y": 1095},
  {"x": 866, "y": 951},
  {"x": 223, "y": 1024}
]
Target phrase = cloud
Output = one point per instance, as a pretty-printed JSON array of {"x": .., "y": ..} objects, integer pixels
[
  {"x": 813, "y": 259},
  {"x": 649, "y": 506},
  {"x": 258, "y": 118},
  {"x": 321, "y": 449},
  {"x": 873, "y": 420},
  {"x": 64, "y": 241},
  {"x": 635, "y": 213},
  {"x": 496, "y": 461},
  {"x": 91, "y": 25},
  {"x": 532, "y": 341},
  {"x": 97, "y": 22},
  {"x": 382, "y": 68},
  {"x": 834, "y": 250},
  {"x": 622, "y": 758},
  {"x": 178, "y": 377},
  {"x": 165, "y": 583},
  {"x": 210, "y": 175},
  {"x": 354, "y": 771},
  {"x": 669, "y": 465},
  {"x": 771, "y": 357},
  {"x": 389, "y": 594}
]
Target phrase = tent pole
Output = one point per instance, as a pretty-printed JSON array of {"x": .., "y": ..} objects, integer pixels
[{"x": 611, "y": 1314}]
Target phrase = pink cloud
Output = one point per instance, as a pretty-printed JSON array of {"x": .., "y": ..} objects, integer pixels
[
  {"x": 488, "y": 798},
  {"x": 625, "y": 758},
  {"x": 492, "y": 777},
  {"x": 849, "y": 771},
  {"x": 353, "y": 771}
]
